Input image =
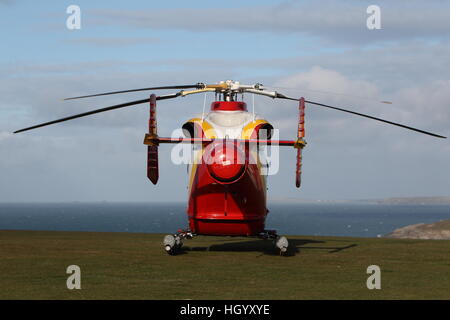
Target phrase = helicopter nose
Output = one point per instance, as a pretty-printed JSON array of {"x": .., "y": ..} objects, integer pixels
[{"x": 226, "y": 162}]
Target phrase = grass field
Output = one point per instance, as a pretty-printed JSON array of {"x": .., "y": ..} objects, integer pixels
[{"x": 134, "y": 266}]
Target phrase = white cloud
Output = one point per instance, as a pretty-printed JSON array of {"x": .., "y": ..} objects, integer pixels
[
  {"x": 331, "y": 20},
  {"x": 424, "y": 107},
  {"x": 428, "y": 103},
  {"x": 324, "y": 81}
]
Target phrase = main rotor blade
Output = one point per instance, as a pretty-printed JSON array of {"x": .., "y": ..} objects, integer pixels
[
  {"x": 198, "y": 85},
  {"x": 365, "y": 116},
  {"x": 117, "y": 106},
  {"x": 333, "y": 93}
]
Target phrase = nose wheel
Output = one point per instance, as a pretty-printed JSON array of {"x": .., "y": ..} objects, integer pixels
[
  {"x": 173, "y": 242},
  {"x": 281, "y": 244}
]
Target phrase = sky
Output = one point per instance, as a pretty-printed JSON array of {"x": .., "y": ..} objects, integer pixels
[{"x": 320, "y": 50}]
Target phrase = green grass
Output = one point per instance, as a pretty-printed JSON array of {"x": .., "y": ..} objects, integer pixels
[{"x": 134, "y": 266}]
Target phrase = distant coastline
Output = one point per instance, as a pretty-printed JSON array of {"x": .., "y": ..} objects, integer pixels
[
  {"x": 415, "y": 200},
  {"x": 441, "y": 200},
  {"x": 436, "y": 231}
]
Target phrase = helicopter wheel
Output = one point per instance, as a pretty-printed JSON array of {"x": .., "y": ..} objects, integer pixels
[
  {"x": 282, "y": 244},
  {"x": 172, "y": 244}
]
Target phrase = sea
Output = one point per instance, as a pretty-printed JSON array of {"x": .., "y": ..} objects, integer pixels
[{"x": 325, "y": 219}]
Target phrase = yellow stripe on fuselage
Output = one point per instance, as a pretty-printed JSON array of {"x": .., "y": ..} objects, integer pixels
[
  {"x": 209, "y": 133},
  {"x": 247, "y": 132},
  {"x": 250, "y": 127}
]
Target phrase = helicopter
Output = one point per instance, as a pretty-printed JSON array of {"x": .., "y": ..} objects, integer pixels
[{"x": 227, "y": 185}]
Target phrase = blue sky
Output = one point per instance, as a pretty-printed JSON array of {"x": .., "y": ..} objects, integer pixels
[
  {"x": 308, "y": 46},
  {"x": 40, "y": 35}
]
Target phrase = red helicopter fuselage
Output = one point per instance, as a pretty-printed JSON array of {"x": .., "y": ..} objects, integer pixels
[{"x": 227, "y": 189}]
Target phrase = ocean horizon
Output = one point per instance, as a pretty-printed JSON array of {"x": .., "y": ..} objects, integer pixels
[{"x": 318, "y": 219}]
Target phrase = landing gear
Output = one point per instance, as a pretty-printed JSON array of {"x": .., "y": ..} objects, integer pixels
[
  {"x": 280, "y": 243},
  {"x": 173, "y": 243}
]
